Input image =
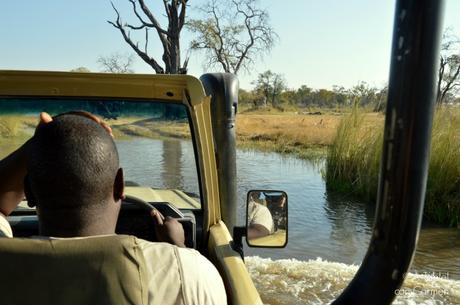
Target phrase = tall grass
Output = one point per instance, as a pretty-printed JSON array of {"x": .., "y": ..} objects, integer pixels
[
  {"x": 353, "y": 162},
  {"x": 443, "y": 188}
]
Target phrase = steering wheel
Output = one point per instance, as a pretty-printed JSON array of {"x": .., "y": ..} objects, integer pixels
[{"x": 139, "y": 202}]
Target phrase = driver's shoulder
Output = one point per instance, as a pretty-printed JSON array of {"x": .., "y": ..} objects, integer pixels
[
  {"x": 198, "y": 278},
  {"x": 5, "y": 228}
]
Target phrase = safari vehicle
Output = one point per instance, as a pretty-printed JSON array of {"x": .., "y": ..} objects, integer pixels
[
  {"x": 165, "y": 128},
  {"x": 206, "y": 108}
]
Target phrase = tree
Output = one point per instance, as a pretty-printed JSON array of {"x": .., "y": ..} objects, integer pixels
[
  {"x": 449, "y": 68},
  {"x": 80, "y": 69},
  {"x": 232, "y": 34},
  {"x": 169, "y": 37},
  {"x": 270, "y": 85},
  {"x": 363, "y": 95},
  {"x": 116, "y": 63}
]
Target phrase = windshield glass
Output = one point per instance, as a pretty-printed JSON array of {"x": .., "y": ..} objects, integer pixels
[{"x": 153, "y": 140}]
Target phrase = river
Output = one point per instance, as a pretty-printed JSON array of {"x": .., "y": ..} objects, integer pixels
[{"x": 328, "y": 233}]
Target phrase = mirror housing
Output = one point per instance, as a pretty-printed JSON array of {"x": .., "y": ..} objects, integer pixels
[{"x": 267, "y": 219}]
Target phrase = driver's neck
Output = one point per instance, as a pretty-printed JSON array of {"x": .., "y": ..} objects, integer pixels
[{"x": 78, "y": 223}]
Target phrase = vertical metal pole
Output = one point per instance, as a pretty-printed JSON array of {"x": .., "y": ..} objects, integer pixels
[
  {"x": 404, "y": 164},
  {"x": 223, "y": 87}
]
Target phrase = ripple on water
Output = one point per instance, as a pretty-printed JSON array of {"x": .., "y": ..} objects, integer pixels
[{"x": 292, "y": 282}]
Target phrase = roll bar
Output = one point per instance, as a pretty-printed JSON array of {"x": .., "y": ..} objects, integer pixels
[
  {"x": 223, "y": 87},
  {"x": 405, "y": 158}
]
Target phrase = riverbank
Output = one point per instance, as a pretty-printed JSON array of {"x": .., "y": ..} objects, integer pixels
[{"x": 305, "y": 136}]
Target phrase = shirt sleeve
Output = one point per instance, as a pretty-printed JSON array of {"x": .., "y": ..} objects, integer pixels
[
  {"x": 202, "y": 283},
  {"x": 5, "y": 228},
  {"x": 262, "y": 216}
]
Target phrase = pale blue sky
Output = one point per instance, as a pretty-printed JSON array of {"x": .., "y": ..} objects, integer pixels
[{"x": 321, "y": 43}]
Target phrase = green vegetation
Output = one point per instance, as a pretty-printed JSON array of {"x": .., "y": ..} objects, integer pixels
[
  {"x": 271, "y": 90},
  {"x": 354, "y": 156}
]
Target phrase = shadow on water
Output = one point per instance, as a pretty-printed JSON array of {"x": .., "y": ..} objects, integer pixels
[{"x": 351, "y": 225}]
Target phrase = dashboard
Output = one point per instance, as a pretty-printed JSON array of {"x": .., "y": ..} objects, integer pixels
[{"x": 134, "y": 219}]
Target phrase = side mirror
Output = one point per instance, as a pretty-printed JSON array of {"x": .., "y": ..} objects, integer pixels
[{"x": 267, "y": 219}]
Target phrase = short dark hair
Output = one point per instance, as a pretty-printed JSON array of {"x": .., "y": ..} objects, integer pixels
[{"x": 73, "y": 163}]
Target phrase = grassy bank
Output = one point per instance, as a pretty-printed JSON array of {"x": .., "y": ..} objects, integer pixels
[
  {"x": 354, "y": 156},
  {"x": 306, "y": 136},
  {"x": 126, "y": 127}
]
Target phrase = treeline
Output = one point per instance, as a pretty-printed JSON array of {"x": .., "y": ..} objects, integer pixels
[
  {"x": 106, "y": 109},
  {"x": 270, "y": 90},
  {"x": 266, "y": 94}
]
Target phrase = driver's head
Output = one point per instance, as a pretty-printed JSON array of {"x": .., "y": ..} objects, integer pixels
[{"x": 74, "y": 177}]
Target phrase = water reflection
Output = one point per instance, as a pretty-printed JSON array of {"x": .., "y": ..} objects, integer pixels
[
  {"x": 438, "y": 252},
  {"x": 351, "y": 224},
  {"x": 171, "y": 171},
  {"x": 159, "y": 163}
]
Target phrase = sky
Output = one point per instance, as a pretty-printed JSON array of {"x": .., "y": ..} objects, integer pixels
[{"x": 321, "y": 43}]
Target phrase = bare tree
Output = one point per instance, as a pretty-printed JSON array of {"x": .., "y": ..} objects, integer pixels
[
  {"x": 232, "y": 34},
  {"x": 169, "y": 37},
  {"x": 449, "y": 67},
  {"x": 116, "y": 63}
]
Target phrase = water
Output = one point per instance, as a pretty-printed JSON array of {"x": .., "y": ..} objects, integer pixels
[
  {"x": 291, "y": 281},
  {"x": 332, "y": 226}
]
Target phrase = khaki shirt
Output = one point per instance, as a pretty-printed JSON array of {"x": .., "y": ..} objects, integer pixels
[
  {"x": 177, "y": 276},
  {"x": 260, "y": 214}
]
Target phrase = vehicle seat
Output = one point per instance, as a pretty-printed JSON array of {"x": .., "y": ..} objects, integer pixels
[{"x": 95, "y": 270}]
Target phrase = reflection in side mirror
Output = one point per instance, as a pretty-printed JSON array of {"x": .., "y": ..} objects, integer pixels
[{"x": 267, "y": 218}]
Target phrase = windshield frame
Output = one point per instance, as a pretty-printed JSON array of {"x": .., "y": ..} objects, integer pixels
[{"x": 177, "y": 89}]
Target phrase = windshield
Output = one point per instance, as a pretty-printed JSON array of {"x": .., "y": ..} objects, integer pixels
[{"x": 153, "y": 140}]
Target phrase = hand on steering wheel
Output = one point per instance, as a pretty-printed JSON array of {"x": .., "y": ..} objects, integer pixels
[{"x": 168, "y": 229}]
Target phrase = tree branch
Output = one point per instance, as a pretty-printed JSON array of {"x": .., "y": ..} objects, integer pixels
[
  {"x": 152, "y": 18},
  {"x": 143, "y": 23},
  {"x": 152, "y": 62},
  {"x": 182, "y": 14}
]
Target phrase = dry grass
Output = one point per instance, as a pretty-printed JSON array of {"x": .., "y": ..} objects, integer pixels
[
  {"x": 149, "y": 128},
  {"x": 306, "y": 136},
  {"x": 16, "y": 126}
]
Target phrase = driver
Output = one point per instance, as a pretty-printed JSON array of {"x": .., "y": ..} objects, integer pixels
[
  {"x": 70, "y": 171},
  {"x": 260, "y": 221}
]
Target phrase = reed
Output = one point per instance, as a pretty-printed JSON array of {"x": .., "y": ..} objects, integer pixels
[{"x": 353, "y": 162}]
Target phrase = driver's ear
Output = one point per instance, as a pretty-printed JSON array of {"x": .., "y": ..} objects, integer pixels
[
  {"x": 31, "y": 200},
  {"x": 119, "y": 186}
]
